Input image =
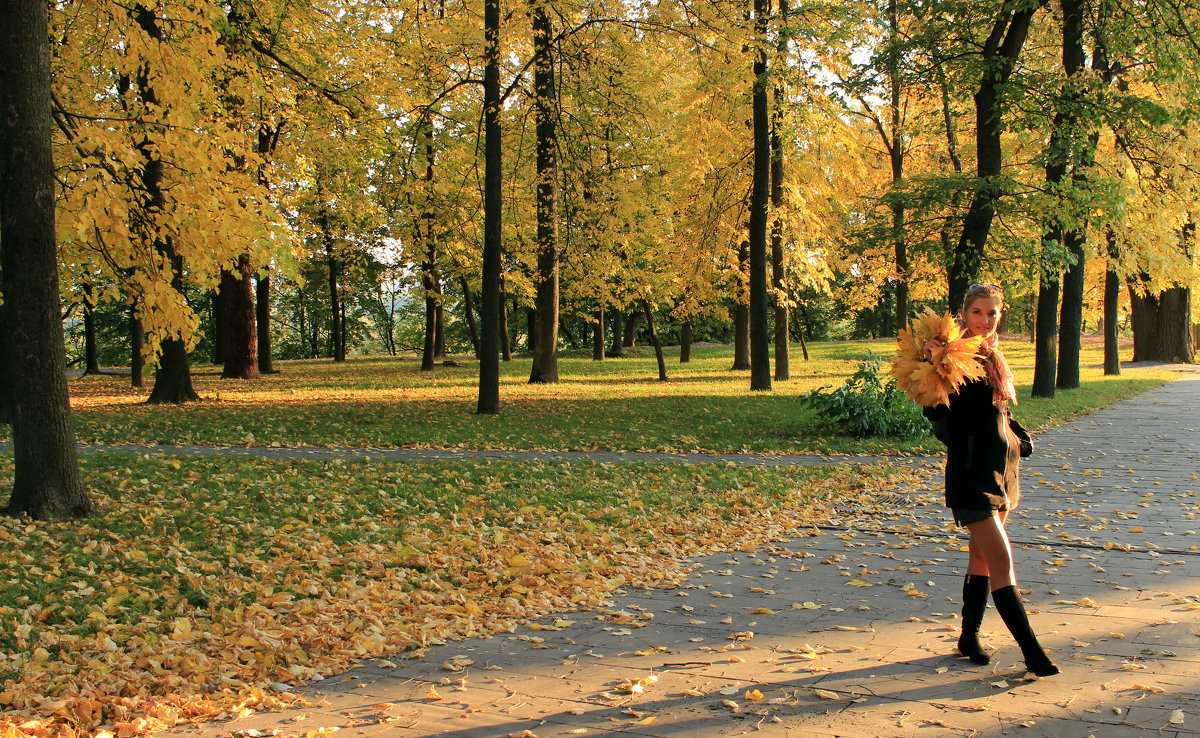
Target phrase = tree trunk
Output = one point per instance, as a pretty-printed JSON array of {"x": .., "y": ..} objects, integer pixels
[
  {"x": 46, "y": 480},
  {"x": 685, "y": 342},
  {"x": 658, "y": 352},
  {"x": 429, "y": 279},
  {"x": 489, "y": 309},
  {"x": 469, "y": 312},
  {"x": 1071, "y": 318},
  {"x": 216, "y": 310},
  {"x": 6, "y": 391},
  {"x": 564, "y": 326},
  {"x": 545, "y": 355},
  {"x": 1161, "y": 325},
  {"x": 262, "y": 323},
  {"x": 598, "y": 335},
  {"x": 1045, "y": 355},
  {"x": 137, "y": 342},
  {"x": 760, "y": 353},
  {"x": 896, "y": 151},
  {"x": 618, "y": 328},
  {"x": 335, "y": 305},
  {"x": 1112, "y": 295},
  {"x": 439, "y": 328},
  {"x": 237, "y": 318},
  {"x": 631, "y": 326},
  {"x": 91, "y": 363},
  {"x": 505, "y": 340},
  {"x": 530, "y": 330},
  {"x": 741, "y": 313},
  {"x": 1000, "y": 53},
  {"x": 783, "y": 371}
]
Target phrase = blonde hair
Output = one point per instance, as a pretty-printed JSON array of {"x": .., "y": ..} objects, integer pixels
[{"x": 976, "y": 291}]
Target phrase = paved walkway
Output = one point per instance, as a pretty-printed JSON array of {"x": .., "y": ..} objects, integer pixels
[{"x": 848, "y": 629}]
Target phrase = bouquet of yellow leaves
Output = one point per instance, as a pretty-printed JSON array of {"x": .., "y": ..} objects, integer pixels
[{"x": 935, "y": 357}]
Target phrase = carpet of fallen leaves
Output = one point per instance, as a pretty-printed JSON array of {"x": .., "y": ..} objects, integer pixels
[{"x": 203, "y": 586}]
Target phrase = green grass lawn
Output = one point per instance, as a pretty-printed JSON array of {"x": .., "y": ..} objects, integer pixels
[{"x": 617, "y": 404}]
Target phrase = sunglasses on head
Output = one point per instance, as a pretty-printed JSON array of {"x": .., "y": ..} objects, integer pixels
[{"x": 989, "y": 286}]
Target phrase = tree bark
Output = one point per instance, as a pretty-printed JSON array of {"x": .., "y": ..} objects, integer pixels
[
  {"x": 262, "y": 322},
  {"x": 685, "y": 342},
  {"x": 598, "y": 334},
  {"x": 760, "y": 353},
  {"x": 618, "y": 331},
  {"x": 1161, "y": 325},
  {"x": 489, "y": 309},
  {"x": 505, "y": 339},
  {"x": 216, "y": 311},
  {"x": 469, "y": 313},
  {"x": 545, "y": 355},
  {"x": 783, "y": 371},
  {"x": 237, "y": 318},
  {"x": 137, "y": 342},
  {"x": 631, "y": 326},
  {"x": 46, "y": 480},
  {"x": 1045, "y": 356},
  {"x": 429, "y": 279},
  {"x": 6, "y": 391},
  {"x": 91, "y": 363},
  {"x": 741, "y": 313},
  {"x": 896, "y": 151},
  {"x": 1071, "y": 317},
  {"x": 1112, "y": 295},
  {"x": 1000, "y": 53},
  {"x": 335, "y": 304},
  {"x": 658, "y": 352}
]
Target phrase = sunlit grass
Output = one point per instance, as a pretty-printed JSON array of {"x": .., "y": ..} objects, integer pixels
[{"x": 617, "y": 404}]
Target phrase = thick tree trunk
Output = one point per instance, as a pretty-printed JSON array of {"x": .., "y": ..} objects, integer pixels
[
  {"x": 685, "y": 342},
  {"x": 137, "y": 343},
  {"x": 215, "y": 311},
  {"x": 46, "y": 471},
  {"x": 631, "y": 328},
  {"x": 545, "y": 355},
  {"x": 469, "y": 313},
  {"x": 1000, "y": 53},
  {"x": 238, "y": 332},
  {"x": 1161, "y": 325},
  {"x": 489, "y": 309},
  {"x": 658, "y": 352},
  {"x": 1070, "y": 330},
  {"x": 6, "y": 379},
  {"x": 1045, "y": 356},
  {"x": 262, "y": 323},
  {"x": 46, "y": 480},
  {"x": 1071, "y": 318},
  {"x": 598, "y": 335},
  {"x": 760, "y": 352},
  {"x": 618, "y": 334},
  {"x": 530, "y": 330}
]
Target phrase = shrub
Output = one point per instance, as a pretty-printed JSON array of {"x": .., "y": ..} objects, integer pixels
[{"x": 866, "y": 405}]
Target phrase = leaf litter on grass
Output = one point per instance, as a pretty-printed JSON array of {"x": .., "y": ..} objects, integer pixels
[{"x": 204, "y": 586}]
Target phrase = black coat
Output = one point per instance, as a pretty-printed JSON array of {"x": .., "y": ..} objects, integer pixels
[{"x": 984, "y": 446}]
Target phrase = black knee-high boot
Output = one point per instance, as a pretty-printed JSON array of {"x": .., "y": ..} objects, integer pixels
[
  {"x": 975, "y": 594},
  {"x": 1012, "y": 610}
]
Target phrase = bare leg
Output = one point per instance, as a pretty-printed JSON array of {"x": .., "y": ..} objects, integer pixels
[
  {"x": 977, "y": 564},
  {"x": 990, "y": 552}
]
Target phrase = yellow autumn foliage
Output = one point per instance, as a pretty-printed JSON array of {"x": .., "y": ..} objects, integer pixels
[{"x": 934, "y": 357}]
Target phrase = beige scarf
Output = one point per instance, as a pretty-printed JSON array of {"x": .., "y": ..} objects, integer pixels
[{"x": 999, "y": 376}]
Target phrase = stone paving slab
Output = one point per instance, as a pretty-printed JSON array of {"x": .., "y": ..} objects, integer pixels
[{"x": 849, "y": 629}]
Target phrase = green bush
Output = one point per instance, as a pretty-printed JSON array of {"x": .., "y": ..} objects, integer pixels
[{"x": 866, "y": 405}]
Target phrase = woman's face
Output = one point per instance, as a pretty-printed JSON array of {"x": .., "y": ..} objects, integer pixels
[{"x": 982, "y": 316}]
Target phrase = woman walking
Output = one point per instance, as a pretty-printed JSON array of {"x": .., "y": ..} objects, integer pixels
[{"x": 984, "y": 446}]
